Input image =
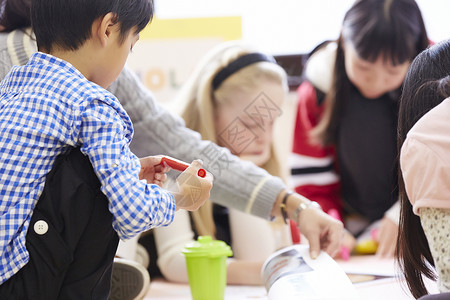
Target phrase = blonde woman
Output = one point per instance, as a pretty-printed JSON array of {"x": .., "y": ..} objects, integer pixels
[{"x": 232, "y": 99}]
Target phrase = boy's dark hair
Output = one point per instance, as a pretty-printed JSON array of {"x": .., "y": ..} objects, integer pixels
[
  {"x": 393, "y": 29},
  {"x": 67, "y": 24},
  {"x": 14, "y": 14},
  {"x": 426, "y": 85}
]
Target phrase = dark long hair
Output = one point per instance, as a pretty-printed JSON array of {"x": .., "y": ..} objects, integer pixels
[
  {"x": 427, "y": 84},
  {"x": 393, "y": 29},
  {"x": 15, "y": 14}
]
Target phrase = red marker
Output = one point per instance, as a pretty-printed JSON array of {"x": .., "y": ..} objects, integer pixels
[{"x": 180, "y": 165}]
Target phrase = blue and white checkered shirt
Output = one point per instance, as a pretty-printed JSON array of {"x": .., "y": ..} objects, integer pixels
[{"x": 46, "y": 107}]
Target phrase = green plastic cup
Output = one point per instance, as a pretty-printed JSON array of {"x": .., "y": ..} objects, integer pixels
[{"x": 206, "y": 261}]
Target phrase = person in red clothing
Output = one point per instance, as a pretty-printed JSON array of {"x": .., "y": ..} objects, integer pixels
[{"x": 344, "y": 149}]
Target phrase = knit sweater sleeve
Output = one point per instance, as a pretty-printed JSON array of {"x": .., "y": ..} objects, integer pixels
[
  {"x": 237, "y": 184},
  {"x": 16, "y": 48},
  {"x": 5, "y": 59},
  {"x": 312, "y": 165}
]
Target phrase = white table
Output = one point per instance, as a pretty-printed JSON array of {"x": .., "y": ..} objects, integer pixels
[{"x": 389, "y": 288}]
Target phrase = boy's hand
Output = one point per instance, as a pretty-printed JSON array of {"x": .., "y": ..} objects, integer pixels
[
  {"x": 193, "y": 190},
  {"x": 152, "y": 170}
]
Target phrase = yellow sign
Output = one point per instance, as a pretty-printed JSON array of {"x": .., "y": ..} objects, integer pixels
[
  {"x": 169, "y": 49},
  {"x": 227, "y": 28}
]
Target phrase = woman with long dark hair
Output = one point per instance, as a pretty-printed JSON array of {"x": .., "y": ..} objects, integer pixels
[
  {"x": 344, "y": 148},
  {"x": 424, "y": 179}
]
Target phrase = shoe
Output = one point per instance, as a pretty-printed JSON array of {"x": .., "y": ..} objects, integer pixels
[
  {"x": 130, "y": 280},
  {"x": 142, "y": 256}
]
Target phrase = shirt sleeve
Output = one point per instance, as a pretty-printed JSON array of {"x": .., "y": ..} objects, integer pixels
[
  {"x": 170, "y": 241},
  {"x": 426, "y": 175},
  {"x": 136, "y": 206},
  {"x": 312, "y": 165},
  {"x": 246, "y": 233},
  {"x": 237, "y": 184},
  {"x": 393, "y": 213}
]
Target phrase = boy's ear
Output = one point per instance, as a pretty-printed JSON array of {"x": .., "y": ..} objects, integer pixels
[{"x": 104, "y": 27}]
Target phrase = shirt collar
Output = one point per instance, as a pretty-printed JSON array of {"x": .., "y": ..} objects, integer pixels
[{"x": 40, "y": 58}]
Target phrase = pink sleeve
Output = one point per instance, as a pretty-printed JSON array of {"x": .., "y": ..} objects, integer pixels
[{"x": 426, "y": 174}]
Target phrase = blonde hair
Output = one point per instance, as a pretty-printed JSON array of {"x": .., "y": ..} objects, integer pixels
[{"x": 197, "y": 102}]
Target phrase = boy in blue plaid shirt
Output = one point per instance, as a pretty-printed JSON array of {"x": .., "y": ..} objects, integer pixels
[{"x": 56, "y": 238}]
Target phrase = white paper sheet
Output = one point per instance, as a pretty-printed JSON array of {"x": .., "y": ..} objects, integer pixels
[{"x": 290, "y": 273}]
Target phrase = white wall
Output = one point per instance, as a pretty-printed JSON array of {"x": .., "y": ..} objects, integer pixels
[{"x": 293, "y": 26}]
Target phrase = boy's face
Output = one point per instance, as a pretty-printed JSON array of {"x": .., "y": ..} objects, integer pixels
[{"x": 115, "y": 56}]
